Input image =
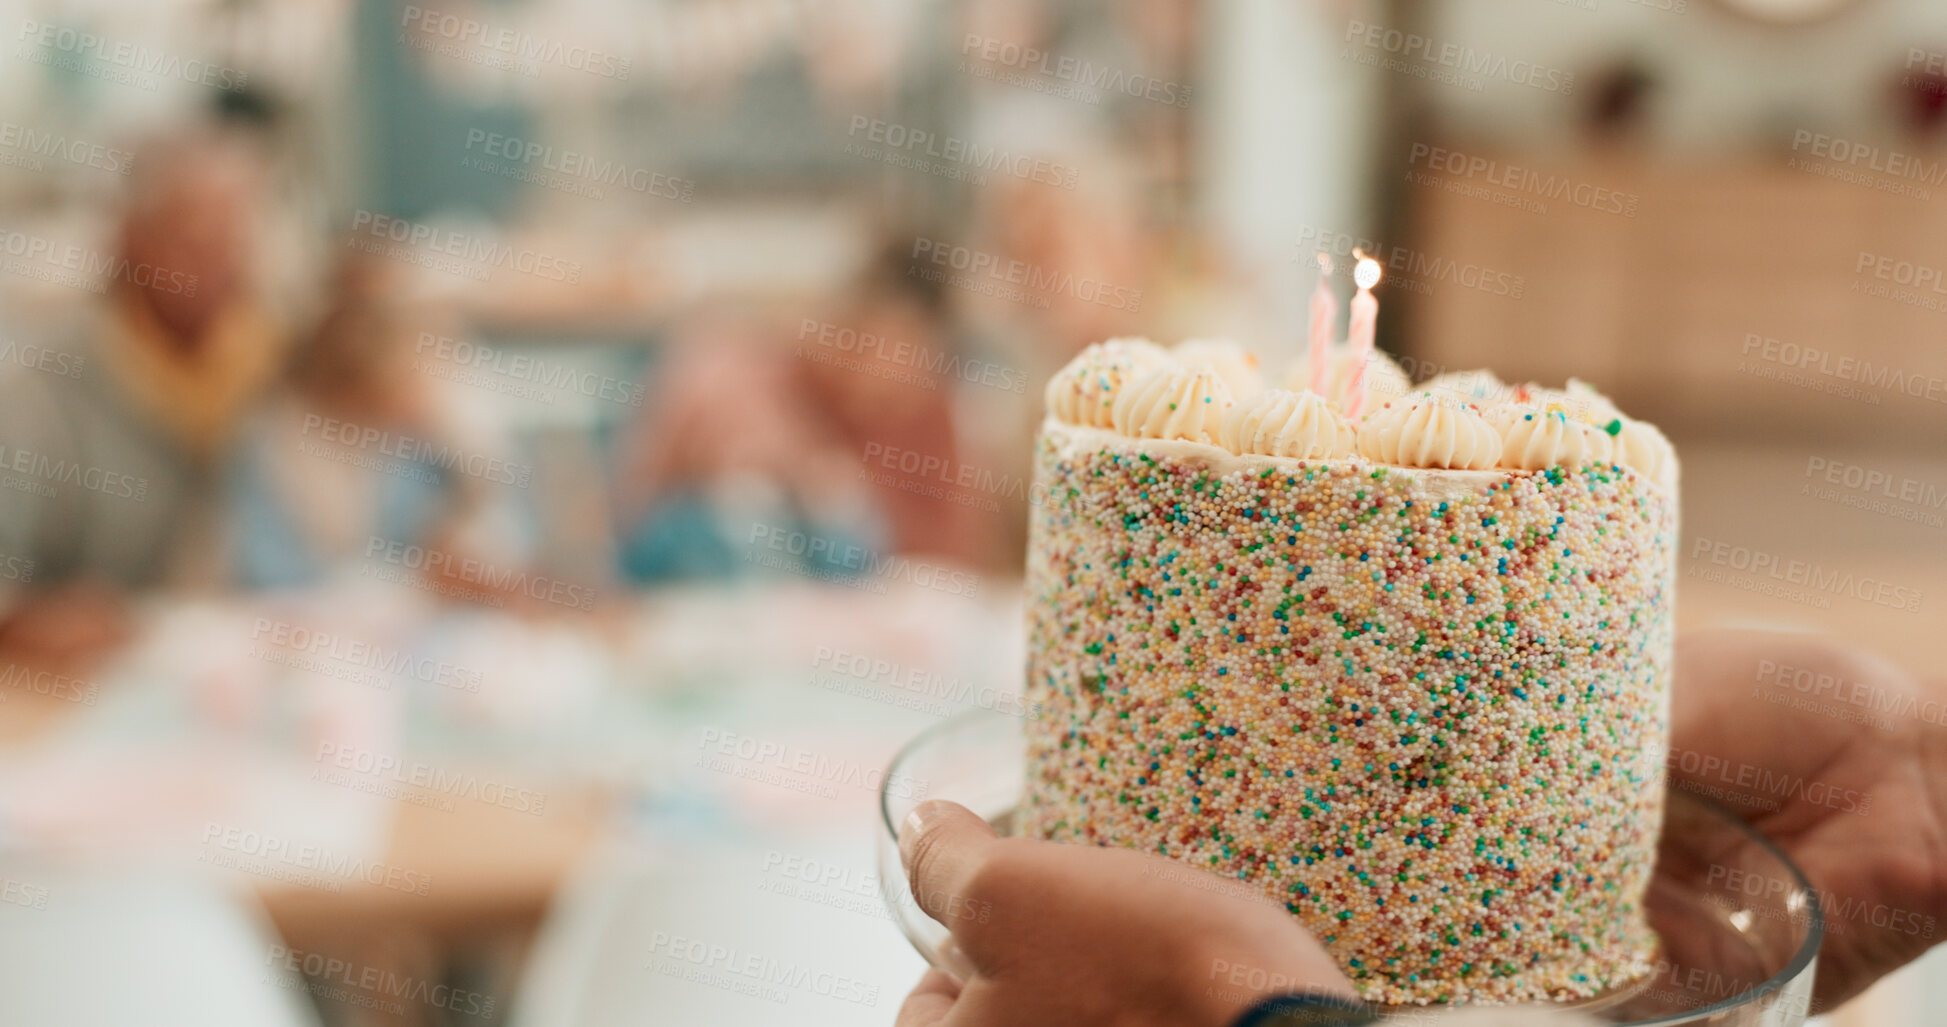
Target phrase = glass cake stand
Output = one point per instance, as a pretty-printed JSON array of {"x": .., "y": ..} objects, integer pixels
[{"x": 1729, "y": 957}]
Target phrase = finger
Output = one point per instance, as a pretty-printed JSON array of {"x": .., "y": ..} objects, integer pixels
[
  {"x": 929, "y": 1001},
  {"x": 941, "y": 845}
]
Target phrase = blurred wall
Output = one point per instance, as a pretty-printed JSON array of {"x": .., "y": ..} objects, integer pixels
[{"x": 1723, "y": 80}]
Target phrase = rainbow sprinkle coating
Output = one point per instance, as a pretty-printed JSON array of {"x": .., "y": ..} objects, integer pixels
[{"x": 1420, "y": 708}]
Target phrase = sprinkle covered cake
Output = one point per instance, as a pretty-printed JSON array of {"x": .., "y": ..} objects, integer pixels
[{"x": 1406, "y": 675}]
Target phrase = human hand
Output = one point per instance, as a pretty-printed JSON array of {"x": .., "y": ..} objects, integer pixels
[
  {"x": 1075, "y": 934},
  {"x": 66, "y": 629},
  {"x": 1860, "y": 807}
]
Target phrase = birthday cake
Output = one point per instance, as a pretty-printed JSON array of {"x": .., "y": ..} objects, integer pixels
[{"x": 1403, "y": 668}]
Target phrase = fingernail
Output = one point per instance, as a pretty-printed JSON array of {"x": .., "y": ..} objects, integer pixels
[{"x": 915, "y": 822}]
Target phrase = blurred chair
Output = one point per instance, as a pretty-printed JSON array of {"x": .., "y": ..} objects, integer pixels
[{"x": 149, "y": 949}]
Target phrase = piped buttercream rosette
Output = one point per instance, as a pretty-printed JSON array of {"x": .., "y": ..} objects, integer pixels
[
  {"x": 1173, "y": 402},
  {"x": 1542, "y": 437},
  {"x": 1279, "y": 422},
  {"x": 1641, "y": 446},
  {"x": 1430, "y": 430},
  {"x": 1083, "y": 392}
]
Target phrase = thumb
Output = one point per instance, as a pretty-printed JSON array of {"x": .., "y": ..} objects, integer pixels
[
  {"x": 930, "y": 1001},
  {"x": 942, "y": 845}
]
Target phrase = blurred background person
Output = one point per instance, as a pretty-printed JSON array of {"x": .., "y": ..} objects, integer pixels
[
  {"x": 730, "y": 452},
  {"x": 124, "y": 463},
  {"x": 886, "y": 390},
  {"x": 311, "y": 491}
]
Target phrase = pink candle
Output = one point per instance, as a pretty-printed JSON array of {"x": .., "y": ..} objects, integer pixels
[
  {"x": 1325, "y": 316},
  {"x": 1358, "y": 333}
]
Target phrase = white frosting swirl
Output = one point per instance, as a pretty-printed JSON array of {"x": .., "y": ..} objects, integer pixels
[
  {"x": 1229, "y": 360},
  {"x": 1548, "y": 437},
  {"x": 1430, "y": 430},
  {"x": 1084, "y": 391},
  {"x": 1641, "y": 446},
  {"x": 1173, "y": 403},
  {"x": 1279, "y": 422},
  {"x": 1503, "y": 415}
]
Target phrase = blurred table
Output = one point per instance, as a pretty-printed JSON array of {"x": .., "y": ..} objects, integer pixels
[
  {"x": 647, "y": 843},
  {"x": 202, "y": 730}
]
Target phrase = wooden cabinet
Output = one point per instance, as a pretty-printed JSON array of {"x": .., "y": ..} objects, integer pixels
[{"x": 1660, "y": 308}]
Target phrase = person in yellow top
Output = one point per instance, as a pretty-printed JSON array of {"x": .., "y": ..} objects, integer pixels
[{"x": 109, "y": 474}]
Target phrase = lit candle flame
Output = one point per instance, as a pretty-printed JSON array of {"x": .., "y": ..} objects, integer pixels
[{"x": 1366, "y": 273}]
